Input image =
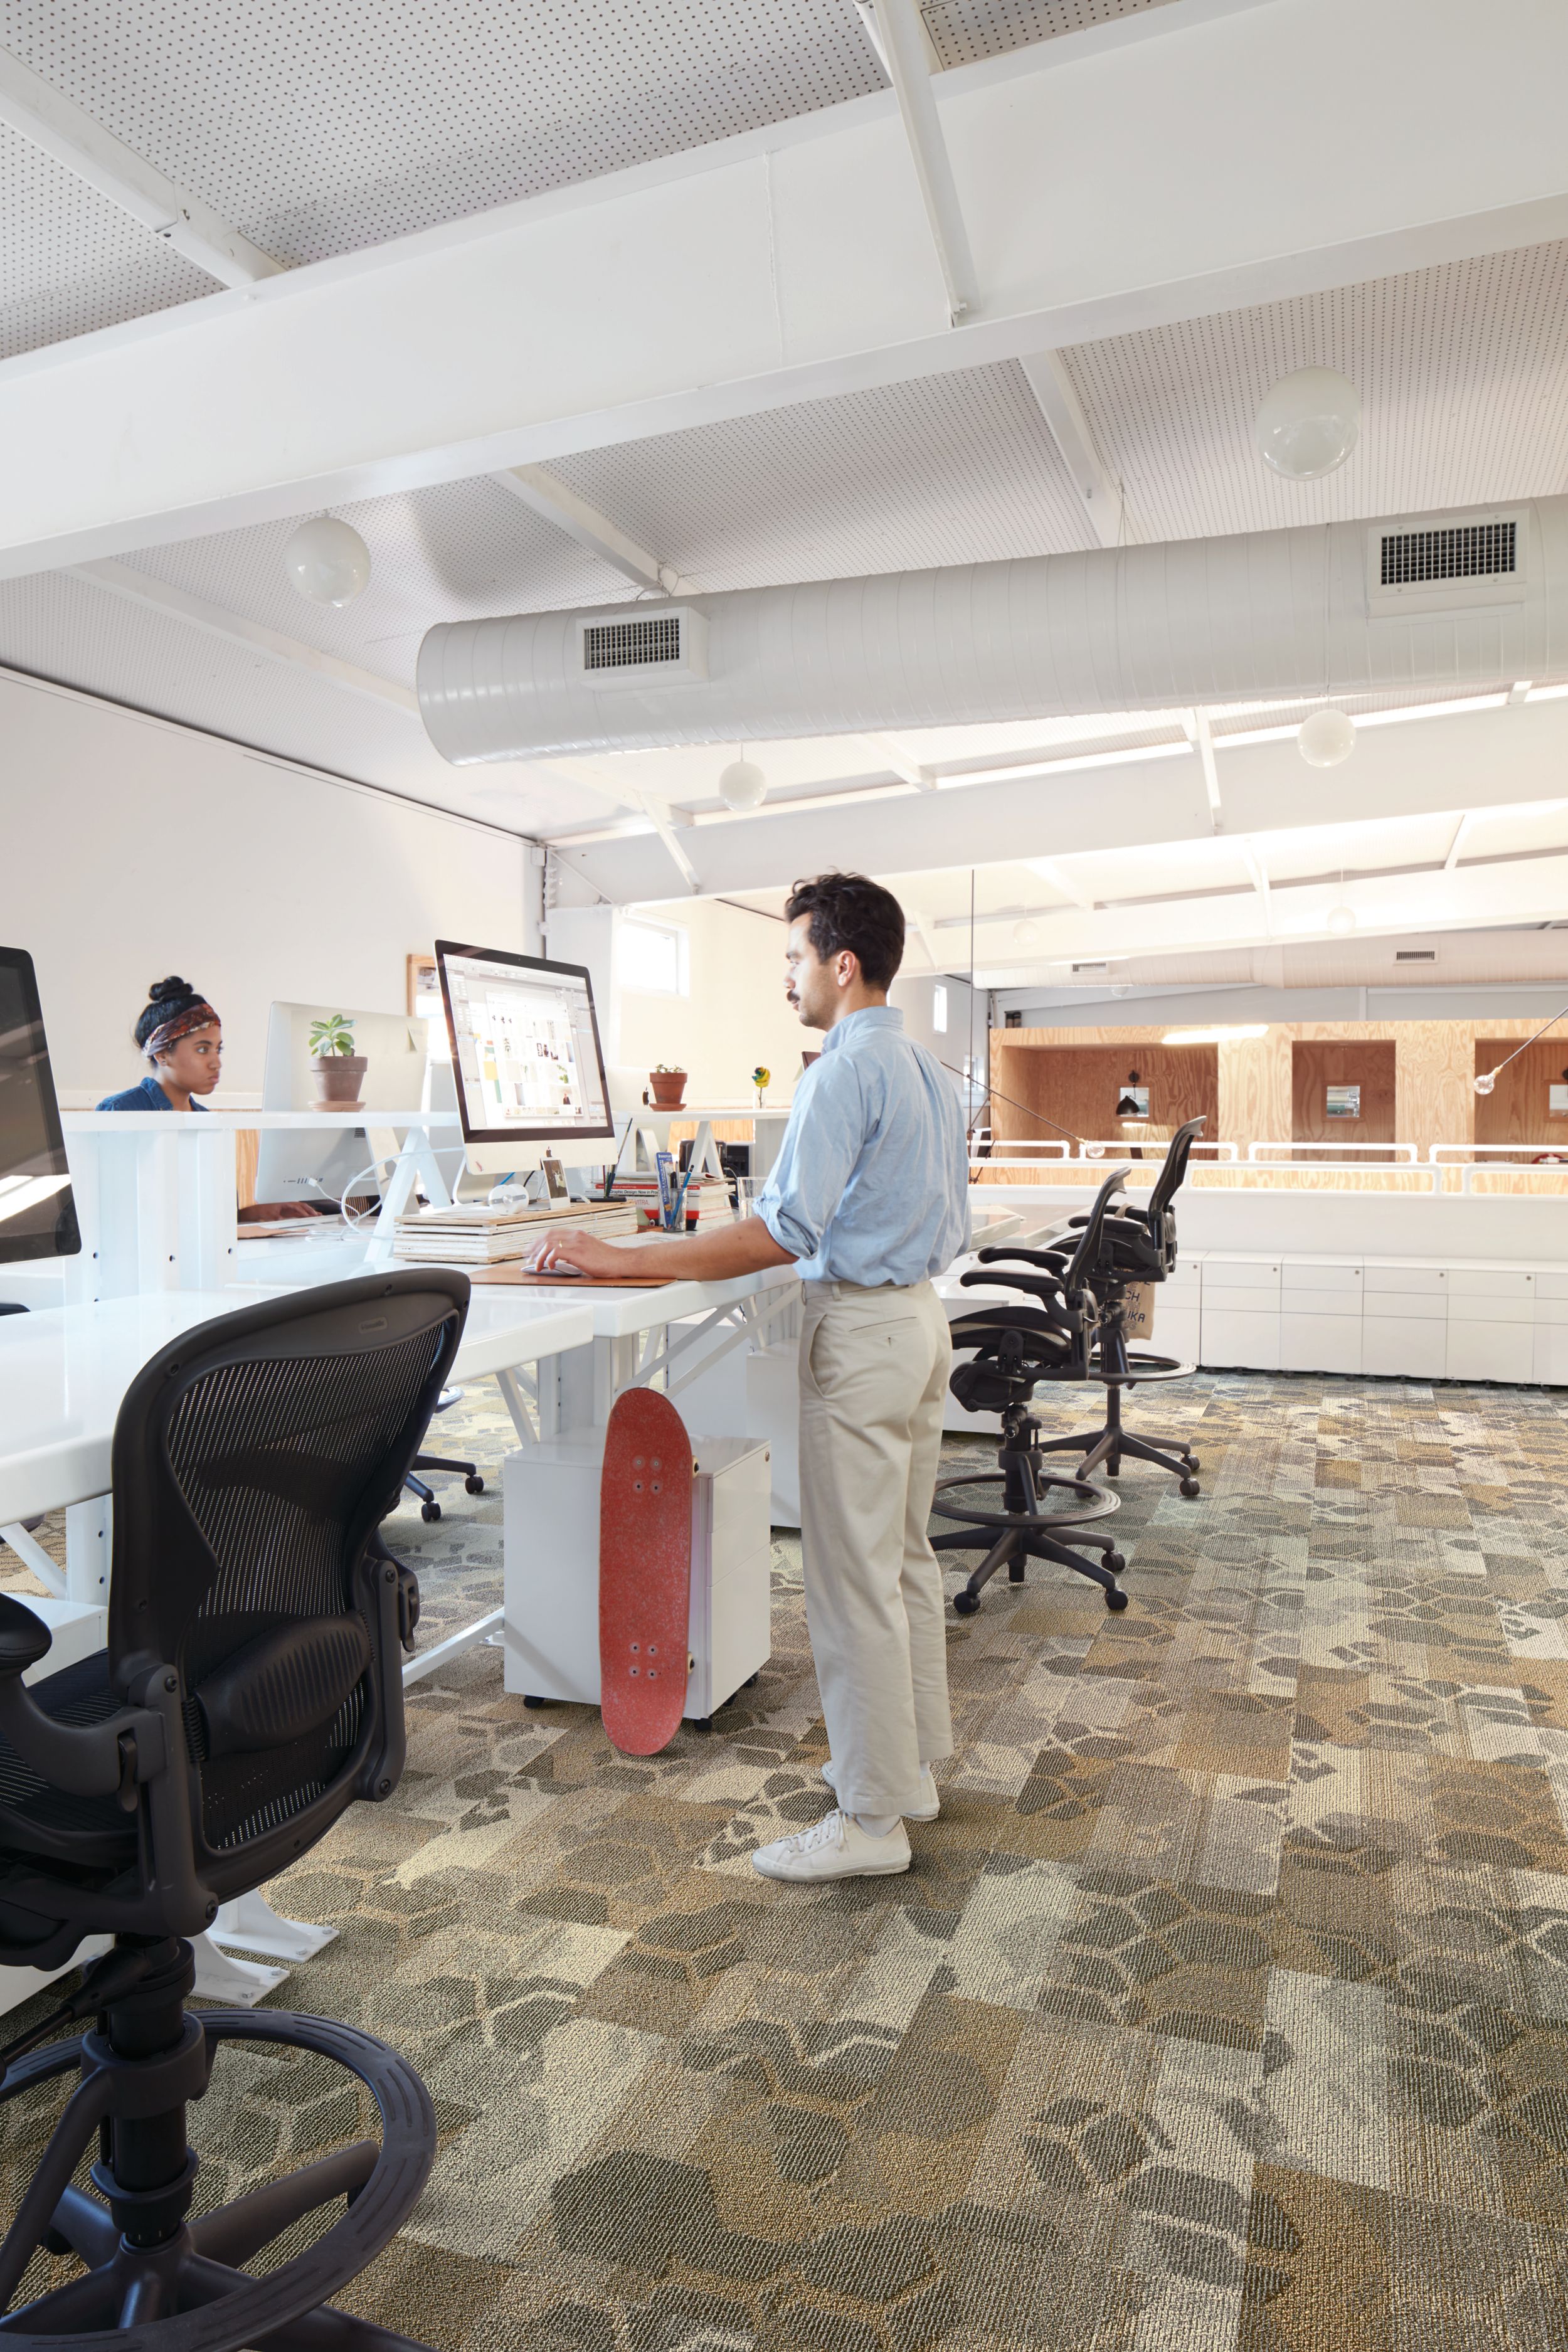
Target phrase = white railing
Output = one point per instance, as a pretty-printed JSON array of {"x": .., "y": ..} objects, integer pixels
[
  {"x": 1479, "y": 1154},
  {"x": 1101, "y": 1148},
  {"x": 1394, "y": 1154}
]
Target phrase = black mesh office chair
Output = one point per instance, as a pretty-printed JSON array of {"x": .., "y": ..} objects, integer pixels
[
  {"x": 251, "y": 1692},
  {"x": 1011, "y": 1351},
  {"x": 1135, "y": 1245}
]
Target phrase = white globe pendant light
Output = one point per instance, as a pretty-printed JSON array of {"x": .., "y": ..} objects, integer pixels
[
  {"x": 1341, "y": 921},
  {"x": 1307, "y": 424},
  {"x": 1026, "y": 934},
  {"x": 327, "y": 561},
  {"x": 743, "y": 785},
  {"x": 1326, "y": 738}
]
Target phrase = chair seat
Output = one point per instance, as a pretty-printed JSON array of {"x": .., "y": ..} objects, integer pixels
[
  {"x": 988, "y": 1323},
  {"x": 50, "y": 1822}
]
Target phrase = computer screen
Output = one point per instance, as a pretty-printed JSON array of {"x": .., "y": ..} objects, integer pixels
[
  {"x": 37, "y": 1211},
  {"x": 525, "y": 1048}
]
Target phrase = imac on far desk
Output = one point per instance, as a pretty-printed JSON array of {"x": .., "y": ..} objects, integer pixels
[
  {"x": 38, "y": 1209},
  {"x": 526, "y": 1057},
  {"x": 300, "y": 1165}
]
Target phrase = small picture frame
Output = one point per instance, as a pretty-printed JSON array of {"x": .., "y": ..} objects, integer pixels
[
  {"x": 1557, "y": 1102},
  {"x": 1343, "y": 1102},
  {"x": 424, "y": 989},
  {"x": 1133, "y": 1102}
]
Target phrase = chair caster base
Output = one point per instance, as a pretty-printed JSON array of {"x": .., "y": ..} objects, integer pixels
[
  {"x": 700, "y": 1723},
  {"x": 967, "y": 1602},
  {"x": 429, "y": 1511},
  {"x": 1189, "y": 1487},
  {"x": 1115, "y": 1598},
  {"x": 752, "y": 1680},
  {"x": 475, "y": 1485},
  {"x": 1115, "y": 1561},
  {"x": 529, "y": 1700}
]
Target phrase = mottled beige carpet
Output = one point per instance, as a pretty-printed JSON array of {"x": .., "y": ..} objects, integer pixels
[{"x": 1225, "y": 2006}]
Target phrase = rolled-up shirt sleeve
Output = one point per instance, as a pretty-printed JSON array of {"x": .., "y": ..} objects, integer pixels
[{"x": 822, "y": 1144}]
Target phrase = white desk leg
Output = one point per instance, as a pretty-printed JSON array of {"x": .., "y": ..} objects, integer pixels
[
  {"x": 238, "y": 1984},
  {"x": 90, "y": 1535},
  {"x": 250, "y": 1925}
]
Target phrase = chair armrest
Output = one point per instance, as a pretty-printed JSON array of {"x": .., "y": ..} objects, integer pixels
[
  {"x": 96, "y": 1759},
  {"x": 24, "y": 1638}
]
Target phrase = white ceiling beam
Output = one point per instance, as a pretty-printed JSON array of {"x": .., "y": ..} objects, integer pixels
[
  {"x": 1056, "y": 399},
  {"x": 1060, "y": 879},
  {"x": 39, "y": 113},
  {"x": 1259, "y": 873},
  {"x": 893, "y": 755},
  {"x": 795, "y": 262},
  {"x": 1485, "y": 760},
  {"x": 1202, "y": 734},
  {"x": 657, "y": 815},
  {"x": 905, "y": 60},
  {"x": 1452, "y": 859},
  {"x": 172, "y": 603},
  {"x": 544, "y": 494}
]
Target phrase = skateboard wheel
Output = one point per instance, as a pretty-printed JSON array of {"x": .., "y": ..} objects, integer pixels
[
  {"x": 475, "y": 1485},
  {"x": 529, "y": 1700},
  {"x": 967, "y": 1602},
  {"x": 1189, "y": 1487},
  {"x": 1116, "y": 1598},
  {"x": 429, "y": 1510}
]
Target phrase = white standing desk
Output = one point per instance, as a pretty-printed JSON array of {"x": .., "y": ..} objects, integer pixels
[{"x": 64, "y": 1372}]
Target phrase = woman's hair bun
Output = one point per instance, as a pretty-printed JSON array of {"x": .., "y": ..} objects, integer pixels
[{"x": 162, "y": 990}]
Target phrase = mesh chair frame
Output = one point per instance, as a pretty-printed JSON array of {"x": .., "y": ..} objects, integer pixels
[{"x": 239, "y": 1713}]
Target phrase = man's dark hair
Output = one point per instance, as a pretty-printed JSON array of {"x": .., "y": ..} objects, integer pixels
[{"x": 849, "y": 911}]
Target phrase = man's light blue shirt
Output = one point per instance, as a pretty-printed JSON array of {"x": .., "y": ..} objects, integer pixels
[{"x": 872, "y": 1184}]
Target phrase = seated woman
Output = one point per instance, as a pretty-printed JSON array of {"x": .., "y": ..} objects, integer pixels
[{"x": 182, "y": 1036}]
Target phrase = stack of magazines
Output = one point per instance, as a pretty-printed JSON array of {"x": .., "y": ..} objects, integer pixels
[{"x": 474, "y": 1233}]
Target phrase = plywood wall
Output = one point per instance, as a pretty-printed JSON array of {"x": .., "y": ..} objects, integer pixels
[
  {"x": 1318, "y": 1064},
  {"x": 1077, "y": 1088},
  {"x": 1517, "y": 1111}
]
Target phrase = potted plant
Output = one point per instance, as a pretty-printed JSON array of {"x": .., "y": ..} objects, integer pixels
[
  {"x": 338, "y": 1070},
  {"x": 668, "y": 1086},
  {"x": 762, "y": 1078}
]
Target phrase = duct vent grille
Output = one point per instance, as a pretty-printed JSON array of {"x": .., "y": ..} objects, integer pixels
[
  {"x": 1458, "y": 552},
  {"x": 661, "y": 647},
  {"x": 616, "y": 644},
  {"x": 1415, "y": 955},
  {"x": 1096, "y": 968}
]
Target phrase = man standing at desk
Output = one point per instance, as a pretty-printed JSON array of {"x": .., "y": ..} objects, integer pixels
[{"x": 870, "y": 1197}]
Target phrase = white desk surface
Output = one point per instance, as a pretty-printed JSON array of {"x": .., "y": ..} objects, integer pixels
[
  {"x": 64, "y": 1371},
  {"x": 620, "y": 1314}
]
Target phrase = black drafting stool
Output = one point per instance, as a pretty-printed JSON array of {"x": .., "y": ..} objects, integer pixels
[
  {"x": 1135, "y": 1246},
  {"x": 1011, "y": 1351},
  {"x": 251, "y": 1692},
  {"x": 468, "y": 1472}
]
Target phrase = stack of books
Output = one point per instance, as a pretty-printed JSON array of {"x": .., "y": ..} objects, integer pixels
[{"x": 474, "y": 1233}]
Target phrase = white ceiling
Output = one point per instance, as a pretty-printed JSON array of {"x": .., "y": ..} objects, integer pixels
[{"x": 320, "y": 126}]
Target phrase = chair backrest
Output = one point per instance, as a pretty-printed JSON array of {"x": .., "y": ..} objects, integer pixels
[
  {"x": 1078, "y": 1272},
  {"x": 254, "y": 1458},
  {"x": 1172, "y": 1175}
]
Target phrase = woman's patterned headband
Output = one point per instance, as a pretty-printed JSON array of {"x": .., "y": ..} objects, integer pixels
[{"x": 169, "y": 1032}]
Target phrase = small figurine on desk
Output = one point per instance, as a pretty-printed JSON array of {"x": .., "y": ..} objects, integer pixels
[{"x": 762, "y": 1078}]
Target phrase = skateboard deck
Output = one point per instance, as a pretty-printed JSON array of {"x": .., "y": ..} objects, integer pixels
[{"x": 645, "y": 1571}]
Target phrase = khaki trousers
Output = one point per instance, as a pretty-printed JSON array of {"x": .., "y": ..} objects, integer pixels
[{"x": 873, "y": 1372}]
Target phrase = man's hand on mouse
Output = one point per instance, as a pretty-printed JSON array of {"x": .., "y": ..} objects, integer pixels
[{"x": 564, "y": 1247}]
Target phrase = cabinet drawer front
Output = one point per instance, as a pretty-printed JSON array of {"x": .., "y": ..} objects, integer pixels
[
  {"x": 1343, "y": 1305},
  {"x": 1241, "y": 1340},
  {"x": 1550, "y": 1311},
  {"x": 1176, "y": 1332},
  {"x": 1482, "y": 1282},
  {"x": 1552, "y": 1284},
  {"x": 1464, "y": 1308},
  {"x": 1408, "y": 1279},
  {"x": 1429, "y": 1306},
  {"x": 1319, "y": 1343},
  {"x": 1255, "y": 1301},
  {"x": 1409, "y": 1347},
  {"x": 1321, "y": 1277},
  {"x": 1239, "y": 1274},
  {"x": 1496, "y": 1352}
]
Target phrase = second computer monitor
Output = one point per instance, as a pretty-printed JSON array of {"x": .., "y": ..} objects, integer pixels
[
  {"x": 526, "y": 1054},
  {"x": 319, "y": 1164}
]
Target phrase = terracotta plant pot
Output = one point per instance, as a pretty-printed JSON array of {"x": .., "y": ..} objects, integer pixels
[
  {"x": 669, "y": 1087},
  {"x": 339, "y": 1078}
]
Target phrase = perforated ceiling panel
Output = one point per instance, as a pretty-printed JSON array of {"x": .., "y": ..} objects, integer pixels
[
  {"x": 963, "y": 30},
  {"x": 1463, "y": 374},
  {"x": 70, "y": 260},
  {"x": 56, "y": 627},
  {"x": 949, "y": 469}
]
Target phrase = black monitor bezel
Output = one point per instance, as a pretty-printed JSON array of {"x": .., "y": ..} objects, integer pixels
[
  {"x": 16, "y": 1248},
  {"x": 542, "y": 964}
]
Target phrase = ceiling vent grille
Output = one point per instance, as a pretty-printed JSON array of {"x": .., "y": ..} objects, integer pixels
[
  {"x": 1094, "y": 971},
  {"x": 1470, "y": 551},
  {"x": 661, "y": 647},
  {"x": 1415, "y": 955}
]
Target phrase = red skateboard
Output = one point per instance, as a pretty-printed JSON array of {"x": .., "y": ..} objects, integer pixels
[{"x": 645, "y": 1571}]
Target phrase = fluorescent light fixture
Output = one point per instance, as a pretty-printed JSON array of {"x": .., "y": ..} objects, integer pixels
[
  {"x": 1385, "y": 717},
  {"x": 1221, "y": 1036},
  {"x": 1182, "y": 751},
  {"x": 1546, "y": 693}
]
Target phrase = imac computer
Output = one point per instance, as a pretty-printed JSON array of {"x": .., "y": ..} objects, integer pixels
[
  {"x": 38, "y": 1210},
  {"x": 320, "y": 1166},
  {"x": 526, "y": 1058}
]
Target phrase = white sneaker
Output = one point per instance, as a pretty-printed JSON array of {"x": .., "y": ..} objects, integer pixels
[
  {"x": 926, "y": 1811},
  {"x": 835, "y": 1847}
]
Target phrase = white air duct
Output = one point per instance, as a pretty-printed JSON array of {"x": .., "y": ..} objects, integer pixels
[{"x": 1441, "y": 601}]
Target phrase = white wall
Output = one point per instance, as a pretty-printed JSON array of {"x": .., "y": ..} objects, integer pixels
[
  {"x": 130, "y": 847},
  {"x": 736, "y": 1014}
]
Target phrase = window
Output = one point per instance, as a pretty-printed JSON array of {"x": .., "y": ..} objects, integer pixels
[
  {"x": 1013, "y": 1020},
  {"x": 655, "y": 959},
  {"x": 939, "y": 1009}
]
